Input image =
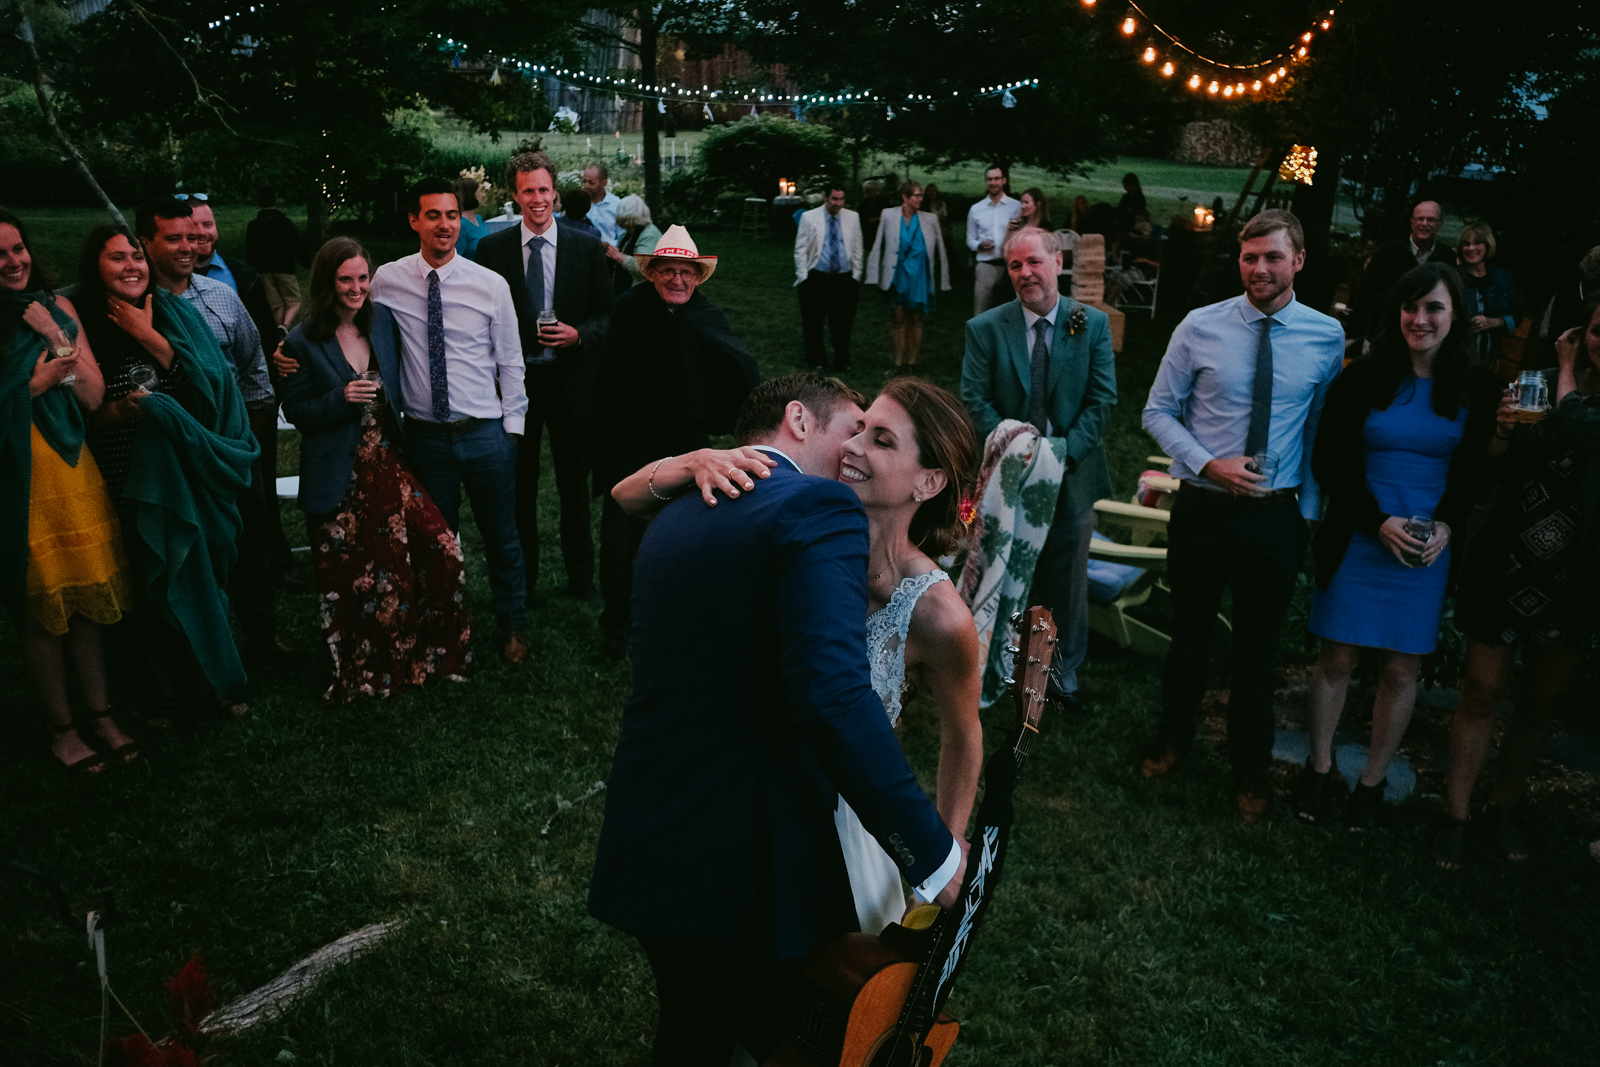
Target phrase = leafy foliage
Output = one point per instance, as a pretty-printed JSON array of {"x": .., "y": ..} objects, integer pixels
[{"x": 750, "y": 155}]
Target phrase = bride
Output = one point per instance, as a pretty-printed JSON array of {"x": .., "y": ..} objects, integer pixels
[{"x": 912, "y": 465}]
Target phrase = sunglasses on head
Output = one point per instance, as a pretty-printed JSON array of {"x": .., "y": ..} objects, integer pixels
[{"x": 201, "y": 197}]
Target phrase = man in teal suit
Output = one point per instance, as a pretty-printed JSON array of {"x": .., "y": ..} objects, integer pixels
[{"x": 1046, "y": 359}]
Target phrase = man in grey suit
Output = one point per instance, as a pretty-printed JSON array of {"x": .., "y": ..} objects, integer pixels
[
  {"x": 569, "y": 277},
  {"x": 1046, "y": 359}
]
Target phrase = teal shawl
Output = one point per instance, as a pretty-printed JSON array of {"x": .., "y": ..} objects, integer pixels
[
  {"x": 60, "y": 421},
  {"x": 183, "y": 485}
]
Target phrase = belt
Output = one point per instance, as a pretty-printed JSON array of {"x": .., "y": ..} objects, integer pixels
[
  {"x": 454, "y": 426},
  {"x": 1271, "y": 496}
]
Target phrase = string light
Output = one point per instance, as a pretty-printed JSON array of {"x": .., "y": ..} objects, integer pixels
[
  {"x": 1254, "y": 72},
  {"x": 1300, "y": 165}
]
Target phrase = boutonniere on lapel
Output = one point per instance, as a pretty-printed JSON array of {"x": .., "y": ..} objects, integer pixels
[{"x": 1077, "y": 320}]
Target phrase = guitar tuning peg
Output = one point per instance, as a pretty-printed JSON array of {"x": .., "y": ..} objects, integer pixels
[
  {"x": 1013, "y": 650},
  {"x": 1016, "y": 618}
]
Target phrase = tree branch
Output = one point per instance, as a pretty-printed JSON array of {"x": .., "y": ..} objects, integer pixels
[
  {"x": 25, "y": 32},
  {"x": 201, "y": 95}
]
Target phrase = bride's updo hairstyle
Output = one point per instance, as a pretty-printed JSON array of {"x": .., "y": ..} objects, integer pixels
[{"x": 945, "y": 441}]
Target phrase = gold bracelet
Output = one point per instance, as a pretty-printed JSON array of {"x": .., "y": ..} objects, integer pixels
[{"x": 650, "y": 482}]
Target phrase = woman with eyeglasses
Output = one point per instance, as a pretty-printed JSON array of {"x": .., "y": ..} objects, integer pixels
[{"x": 64, "y": 574}]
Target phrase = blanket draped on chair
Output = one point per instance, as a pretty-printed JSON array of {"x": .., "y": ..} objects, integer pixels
[{"x": 1017, "y": 489}]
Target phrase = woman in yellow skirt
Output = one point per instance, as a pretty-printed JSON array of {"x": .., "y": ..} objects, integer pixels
[{"x": 63, "y": 572}]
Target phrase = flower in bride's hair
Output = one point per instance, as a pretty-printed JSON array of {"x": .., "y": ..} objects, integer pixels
[{"x": 967, "y": 510}]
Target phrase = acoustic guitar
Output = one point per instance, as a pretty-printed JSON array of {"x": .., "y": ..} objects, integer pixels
[{"x": 878, "y": 1001}]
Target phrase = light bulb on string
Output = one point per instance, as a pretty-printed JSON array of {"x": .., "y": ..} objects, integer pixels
[
  {"x": 1167, "y": 68},
  {"x": 1194, "y": 81},
  {"x": 1129, "y": 26},
  {"x": 1149, "y": 53},
  {"x": 1257, "y": 85},
  {"x": 1212, "y": 88}
]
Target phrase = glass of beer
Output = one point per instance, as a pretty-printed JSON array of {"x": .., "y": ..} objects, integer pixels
[{"x": 1532, "y": 397}]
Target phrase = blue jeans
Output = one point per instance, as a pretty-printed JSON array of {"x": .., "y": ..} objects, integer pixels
[{"x": 483, "y": 460}]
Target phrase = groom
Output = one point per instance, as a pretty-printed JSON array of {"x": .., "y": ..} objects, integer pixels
[{"x": 751, "y": 705}]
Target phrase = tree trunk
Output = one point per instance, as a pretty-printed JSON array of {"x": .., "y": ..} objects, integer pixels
[
  {"x": 25, "y": 31},
  {"x": 650, "y": 125},
  {"x": 305, "y": 79}
]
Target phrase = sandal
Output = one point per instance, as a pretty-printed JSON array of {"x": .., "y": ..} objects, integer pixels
[
  {"x": 164, "y": 713},
  {"x": 126, "y": 752},
  {"x": 1504, "y": 836},
  {"x": 1449, "y": 843},
  {"x": 93, "y": 763}
]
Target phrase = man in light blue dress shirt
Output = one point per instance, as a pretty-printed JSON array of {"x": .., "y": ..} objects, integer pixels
[
  {"x": 1235, "y": 523},
  {"x": 987, "y": 222},
  {"x": 602, "y": 204}
]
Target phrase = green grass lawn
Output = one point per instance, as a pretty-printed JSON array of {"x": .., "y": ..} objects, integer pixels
[{"x": 1139, "y": 923}]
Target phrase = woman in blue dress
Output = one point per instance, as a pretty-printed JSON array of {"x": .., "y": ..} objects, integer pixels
[
  {"x": 905, "y": 255},
  {"x": 1403, "y": 434}
]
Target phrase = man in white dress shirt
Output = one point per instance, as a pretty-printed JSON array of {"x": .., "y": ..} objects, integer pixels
[
  {"x": 986, "y": 232},
  {"x": 461, "y": 390},
  {"x": 827, "y": 268},
  {"x": 602, "y": 204}
]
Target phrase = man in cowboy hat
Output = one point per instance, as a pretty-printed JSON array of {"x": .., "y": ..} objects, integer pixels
[
  {"x": 569, "y": 276},
  {"x": 671, "y": 374}
]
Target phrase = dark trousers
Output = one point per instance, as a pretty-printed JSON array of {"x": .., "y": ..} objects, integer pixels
[
  {"x": 620, "y": 534},
  {"x": 483, "y": 460},
  {"x": 1061, "y": 583},
  {"x": 569, "y": 450},
  {"x": 250, "y": 590},
  {"x": 829, "y": 298},
  {"x": 711, "y": 995},
  {"x": 1215, "y": 540}
]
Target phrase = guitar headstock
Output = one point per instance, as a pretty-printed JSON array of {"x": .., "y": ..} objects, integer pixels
[{"x": 1030, "y": 672}]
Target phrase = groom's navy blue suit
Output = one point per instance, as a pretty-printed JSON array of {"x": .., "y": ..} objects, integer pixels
[{"x": 751, "y": 702}]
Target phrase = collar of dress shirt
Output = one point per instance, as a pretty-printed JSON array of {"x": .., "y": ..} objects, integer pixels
[
  {"x": 448, "y": 268},
  {"x": 1029, "y": 318},
  {"x": 549, "y": 234},
  {"x": 781, "y": 454},
  {"x": 1252, "y": 314}
]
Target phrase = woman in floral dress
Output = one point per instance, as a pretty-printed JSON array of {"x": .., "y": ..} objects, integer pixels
[{"x": 388, "y": 568}]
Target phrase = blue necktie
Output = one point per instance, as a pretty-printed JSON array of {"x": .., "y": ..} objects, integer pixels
[
  {"x": 831, "y": 251},
  {"x": 536, "y": 273},
  {"x": 1039, "y": 376},
  {"x": 1255, "y": 438},
  {"x": 438, "y": 384}
]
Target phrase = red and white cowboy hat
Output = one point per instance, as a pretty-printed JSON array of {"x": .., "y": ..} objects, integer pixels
[{"x": 677, "y": 244}]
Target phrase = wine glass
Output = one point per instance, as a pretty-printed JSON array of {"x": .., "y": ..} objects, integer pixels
[{"x": 144, "y": 376}]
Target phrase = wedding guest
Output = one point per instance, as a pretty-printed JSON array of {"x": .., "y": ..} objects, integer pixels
[
  {"x": 65, "y": 574},
  {"x": 1531, "y": 579},
  {"x": 1035, "y": 211},
  {"x": 1493, "y": 304},
  {"x": 910, "y": 251},
  {"x": 473, "y": 228},
  {"x": 388, "y": 567},
  {"x": 638, "y": 237},
  {"x": 1402, "y": 435}
]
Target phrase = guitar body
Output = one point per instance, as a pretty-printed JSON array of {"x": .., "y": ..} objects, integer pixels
[
  {"x": 852, "y": 995},
  {"x": 878, "y": 1001}
]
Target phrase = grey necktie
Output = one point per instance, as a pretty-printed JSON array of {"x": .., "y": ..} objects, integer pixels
[
  {"x": 1255, "y": 439},
  {"x": 536, "y": 295},
  {"x": 1038, "y": 377}
]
